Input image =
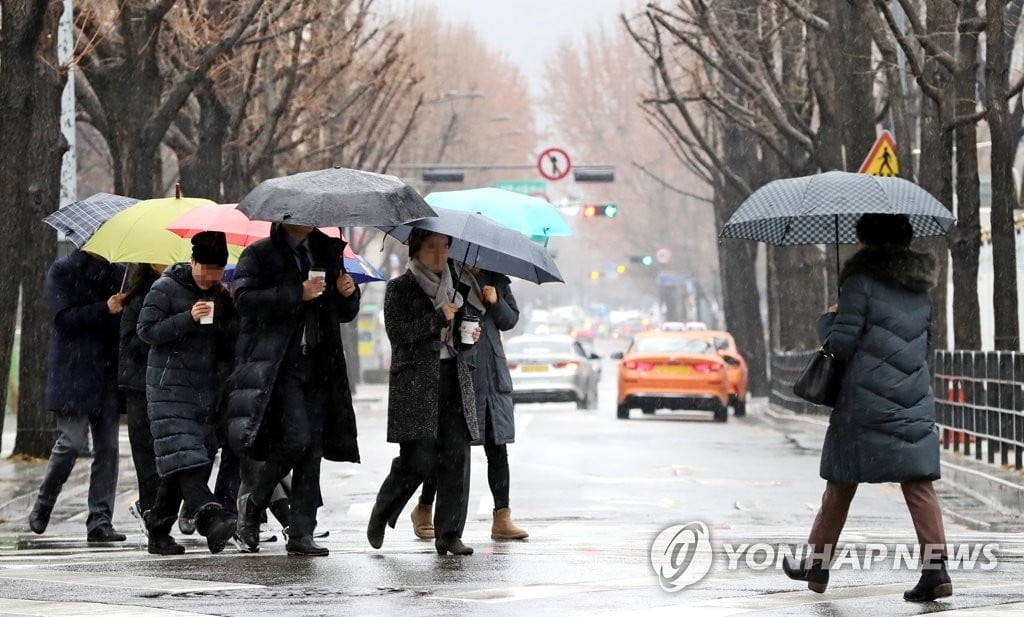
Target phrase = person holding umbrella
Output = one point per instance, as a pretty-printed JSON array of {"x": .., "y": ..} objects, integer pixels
[
  {"x": 190, "y": 324},
  {"x": 882, "y": 428},
  {"x": 290, "y": 403},
  {"x": 82, "y": 292},
  {"x": 431, "y": 403},
  {"x": 488, "y": 296}
]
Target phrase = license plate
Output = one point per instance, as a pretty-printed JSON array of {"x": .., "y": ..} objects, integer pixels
[
  {"x": 672, "y": 370},
  {"x": 535, "y": 368}
]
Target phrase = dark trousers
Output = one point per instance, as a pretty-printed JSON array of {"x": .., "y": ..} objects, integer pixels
[
  {"x": 188, "y": 485},
  {"x": 297, "y": 408},
  {"x": 835, "y": 505},
  {"x": 72, "y": 432},
  {"x": 141, "y": 440},
  {"x": 445, "y": 457},
  {"x": 229, "y": 478},
  {"x": 497, "y": 473}
]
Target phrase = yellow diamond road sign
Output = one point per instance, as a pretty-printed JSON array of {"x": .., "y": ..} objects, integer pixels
[{"x": 881, "y": 161}]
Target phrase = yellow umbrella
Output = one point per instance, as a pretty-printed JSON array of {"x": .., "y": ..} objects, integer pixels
[{"x": 139, "y": 234}]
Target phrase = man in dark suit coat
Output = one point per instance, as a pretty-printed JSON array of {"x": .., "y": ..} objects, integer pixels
[{"x": 82, "y": 294}]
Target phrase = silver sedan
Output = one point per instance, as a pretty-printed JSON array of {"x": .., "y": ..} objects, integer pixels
[{"x": 552, "y": 369}]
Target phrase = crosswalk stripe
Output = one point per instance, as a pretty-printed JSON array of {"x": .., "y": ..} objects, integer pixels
[
  {"x": 1003, "y": 610},
  {"x": 147, "y": 583},
  {"x": 40, "y": 608}
]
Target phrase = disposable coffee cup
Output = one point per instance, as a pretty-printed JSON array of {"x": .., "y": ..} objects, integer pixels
[
  {"x": 470, "y": 324},
  {"x": 208, "y": 319},
  {"x": 317, "y": 274}
]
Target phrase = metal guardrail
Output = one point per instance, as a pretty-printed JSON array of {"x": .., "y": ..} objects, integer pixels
[
  {"x": 979, "y": 400},
  {"x": 979, "y": 403}
]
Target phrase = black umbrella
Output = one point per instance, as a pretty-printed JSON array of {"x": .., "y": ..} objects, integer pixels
[
  {"x": 482, "y": 243},
  {"x": 80, "y": 220},
  {"x": 336, "y": 197},
  {"x": 824, "y": 208}
]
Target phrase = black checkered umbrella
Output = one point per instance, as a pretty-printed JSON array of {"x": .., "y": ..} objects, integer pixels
[
  {"x": 824, "y": 208},
  {"x": 80, "y": 220}
]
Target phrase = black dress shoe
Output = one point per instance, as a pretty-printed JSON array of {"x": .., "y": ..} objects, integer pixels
[
  {"x": 815, "y": 574},
  {"x": 453, "y": 546},
  {"x": 105, "y": 534},
  {"x": 375, "y": 529},
  {"x": 306, "y": 547},
  {"x": 934, "y": 583},
  {"x": 164, "y": 545},
  {"x": 39, "y": 518},
  {"x": 248, "y": 529}
]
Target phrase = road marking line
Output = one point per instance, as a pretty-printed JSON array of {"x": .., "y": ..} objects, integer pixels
[
  {"x": 75, "y": 609},
  {"x": 1004, "y": 610},
  {"x": 148, "y": 583}
]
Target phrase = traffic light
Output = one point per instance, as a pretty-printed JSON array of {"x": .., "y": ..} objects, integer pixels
[
  {"x": 644, "y": 260},
  {"x": 595, "y": 210}
]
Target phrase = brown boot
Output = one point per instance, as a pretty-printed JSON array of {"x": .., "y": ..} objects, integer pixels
[
  {"x": 504, "y": 529},
  {"x": 423, "y": 521}
]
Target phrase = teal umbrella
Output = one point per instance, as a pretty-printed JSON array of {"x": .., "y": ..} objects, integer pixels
[{"x": 529, "y": 215}]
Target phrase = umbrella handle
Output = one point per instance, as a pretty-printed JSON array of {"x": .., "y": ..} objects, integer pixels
[{"x": 124, "y": 279}]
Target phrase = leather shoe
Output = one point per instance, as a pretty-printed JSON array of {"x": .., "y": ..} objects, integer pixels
[
  {"x": 39, "y": 518},
  {"x": 105, "y": 534},
  {"x": 814, "y": 573},
  {"x": 164, "y": 545},
  {"x": 306, "y": 547},
  {"x": 453, "y": 546}
]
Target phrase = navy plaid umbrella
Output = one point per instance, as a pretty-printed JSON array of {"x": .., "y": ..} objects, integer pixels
[
  {"x": 824, "y": 208},
  {"x": 80, "y": 220}
]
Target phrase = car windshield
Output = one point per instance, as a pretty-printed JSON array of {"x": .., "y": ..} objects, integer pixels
[
  {"x": 530, "y": 348},
  {"x": 672, "y": 344}
]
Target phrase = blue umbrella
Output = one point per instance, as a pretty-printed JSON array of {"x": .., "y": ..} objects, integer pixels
[
  {"x": 80, "y": 220},
  {"x": 526, "y": 214},
  {"x": 479, "y": 242}
]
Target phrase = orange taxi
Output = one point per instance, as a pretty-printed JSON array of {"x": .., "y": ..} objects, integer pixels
[
  {"x": 736, "y": 366},
  {"x": 672, "y": 370}
]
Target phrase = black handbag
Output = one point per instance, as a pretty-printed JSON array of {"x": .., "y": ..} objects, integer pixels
[{"x": 819, "y": 383}]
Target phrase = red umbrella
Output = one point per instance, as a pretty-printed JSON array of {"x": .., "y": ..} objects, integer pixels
[{"x": 238, "y": 228}]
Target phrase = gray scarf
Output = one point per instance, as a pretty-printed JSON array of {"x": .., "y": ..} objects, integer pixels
[
  {"x": 475, "y": 297},
  {"x": 441, "y": 291}
]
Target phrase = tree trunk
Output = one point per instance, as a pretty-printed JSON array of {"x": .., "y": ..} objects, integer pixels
[
  {"x": 965, "y": 237},
  {"x": 1004, "y": 250},
  {"x": 202, "y": 173},
  {"x": 30, "y": 164},
  {"x": 855, "y": 77}
]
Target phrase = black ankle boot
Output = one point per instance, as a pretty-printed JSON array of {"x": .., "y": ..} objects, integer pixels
[
  {"x": 164, "y": 545},
  {"x": 934, "y": 583},
  {"x": 815, "y": 574},
  {"x": 217, "y": 525},
  {"x": 249, "y": 522},
  {"x": 375, "y": 528},
  {"x": 453, "y": 546},
  {"x": 39, "y": 518}
]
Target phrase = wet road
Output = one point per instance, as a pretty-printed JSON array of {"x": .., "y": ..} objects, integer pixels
[{"x": 593, "y": 492}]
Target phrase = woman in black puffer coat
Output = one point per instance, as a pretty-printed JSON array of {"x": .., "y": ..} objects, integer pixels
[
  {"x": 883, "y": 426},
  {"x": 188, "y": 364}
]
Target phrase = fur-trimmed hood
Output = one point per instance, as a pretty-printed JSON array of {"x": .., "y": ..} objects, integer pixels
[{"x": 898, "y": 266}]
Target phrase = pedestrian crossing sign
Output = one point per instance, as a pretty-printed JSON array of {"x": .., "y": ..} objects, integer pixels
[{"x": 881, "y": 161}]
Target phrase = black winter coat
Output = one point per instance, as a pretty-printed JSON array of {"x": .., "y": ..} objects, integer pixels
[
  {"x": 413, "y": 326},
  {"x": 268, "y": 294},
  {"x": 133, "y": 352},
  {"x": 492, "y": 382},
  {"x": 883, "y": 426},
  {"x": 188, "y": 365},
  {"x": 82, "y": 352}
]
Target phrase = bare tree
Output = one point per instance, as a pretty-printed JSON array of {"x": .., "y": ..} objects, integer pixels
[{"x": 30, "y": 163}]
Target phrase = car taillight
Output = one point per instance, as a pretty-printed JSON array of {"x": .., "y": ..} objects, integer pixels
[
  {"x": 569, "y": 365},
  {"x": 512, "y": 365},
  {"x": 634, "y": 365},
  {"x": 709, "y": 367}
]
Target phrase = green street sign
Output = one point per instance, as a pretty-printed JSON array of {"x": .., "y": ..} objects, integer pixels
[{"x": 527, "y": 187}]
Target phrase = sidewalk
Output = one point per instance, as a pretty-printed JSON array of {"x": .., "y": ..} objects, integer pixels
[
  {"x": 980, "y": 496},
  {"x": 20, "y": 478}
]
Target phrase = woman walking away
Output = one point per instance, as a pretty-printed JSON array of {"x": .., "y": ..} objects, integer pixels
[
  {"x": 883, "y": 426},
  {"x": 131, "y": 379},
  {"x": 189, "y": 321},
  {"x": 431, "y": 409}
]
